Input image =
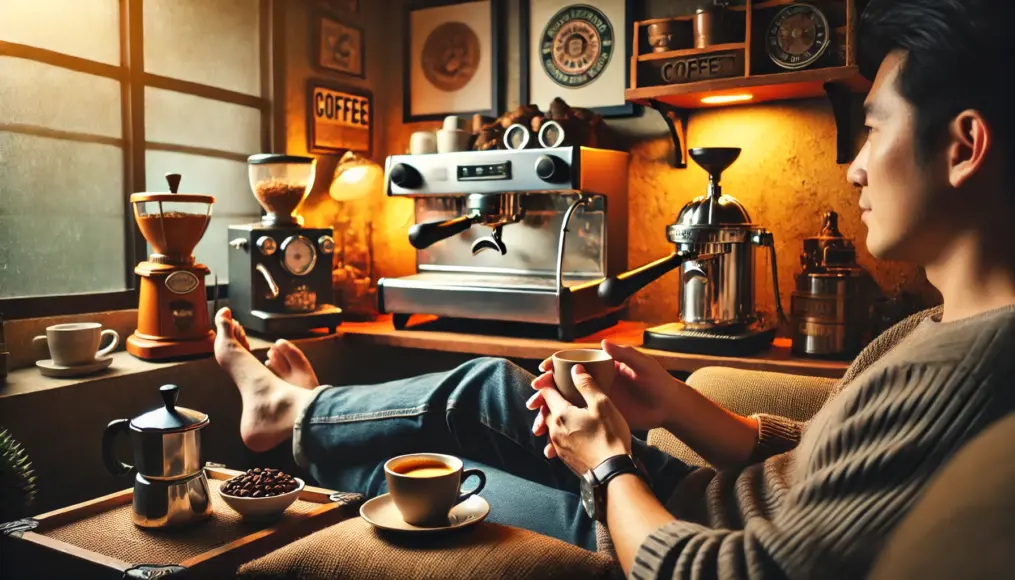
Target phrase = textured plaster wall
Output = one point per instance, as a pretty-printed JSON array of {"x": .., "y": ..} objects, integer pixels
[{"x": 786, "y": 176}]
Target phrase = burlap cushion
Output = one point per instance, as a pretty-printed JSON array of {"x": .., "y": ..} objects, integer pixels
[
  {"x": 746, "y": 392},
  {"x": 355, "y": 549}
]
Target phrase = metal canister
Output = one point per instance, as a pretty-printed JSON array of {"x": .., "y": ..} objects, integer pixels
[{"x": 826, "y": 305}]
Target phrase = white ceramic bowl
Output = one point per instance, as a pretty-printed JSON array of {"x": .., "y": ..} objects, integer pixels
[{"x": 260, "y": 507}]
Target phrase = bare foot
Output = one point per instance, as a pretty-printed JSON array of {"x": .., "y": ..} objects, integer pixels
[
  {"x": 288, "y": 362},
  {"x": 270, "y": 404}
]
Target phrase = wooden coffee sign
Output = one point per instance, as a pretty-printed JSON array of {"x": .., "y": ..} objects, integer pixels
[
  {"x": 339, "y": 119},
  {"x": 693, "y": 68}
]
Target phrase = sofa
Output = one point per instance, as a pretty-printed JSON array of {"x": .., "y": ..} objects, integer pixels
[{"x": 926, "y": 546}]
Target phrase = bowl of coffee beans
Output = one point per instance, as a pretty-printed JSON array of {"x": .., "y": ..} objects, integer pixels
[{"x": 261, "y": 492}]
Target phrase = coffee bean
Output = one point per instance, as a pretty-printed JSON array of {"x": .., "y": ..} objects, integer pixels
[{"x": 260, "y": 482}]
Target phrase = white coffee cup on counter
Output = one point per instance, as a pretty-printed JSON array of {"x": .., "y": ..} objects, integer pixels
[
  {"x": 77, "y": 343},
  {"x": 454, "y": 136},
  {"x": 423, "y": 143}
]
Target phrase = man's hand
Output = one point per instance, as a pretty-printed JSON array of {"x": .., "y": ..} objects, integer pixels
[
  {"x": 582, "y": 437},
  {"x": 643, "y": 391}
]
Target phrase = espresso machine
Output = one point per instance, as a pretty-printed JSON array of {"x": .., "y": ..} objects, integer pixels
[
  {"x": 172, "y": 311},
  {"x": 826, "y": 305},
  {"x": 518, "y": 236},
  {"x": 280, "y": 271},
  {"x": 715, "y": 248}
]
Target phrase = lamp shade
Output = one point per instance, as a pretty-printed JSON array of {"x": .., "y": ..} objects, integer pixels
[{"x": 356, "y": 177}]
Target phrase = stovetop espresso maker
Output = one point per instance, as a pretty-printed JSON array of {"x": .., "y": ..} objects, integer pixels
[
  {"x": 170, "y": 487},
  {"x": 715, "y": 243}
]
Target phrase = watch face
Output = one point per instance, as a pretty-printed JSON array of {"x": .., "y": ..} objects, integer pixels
[{"x": 298, "y": 255}]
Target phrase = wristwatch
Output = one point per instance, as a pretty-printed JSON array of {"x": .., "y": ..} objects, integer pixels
[{"x": 593, "y": 483}]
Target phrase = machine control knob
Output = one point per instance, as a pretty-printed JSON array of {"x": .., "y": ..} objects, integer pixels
[
  {"x": 405, "y": 176},
  {"x": 266, "y": 245},
  {"x": 238, "y": 244},
  {"x": 327, "y": 244},
  {"x": 552, "y": 168}
]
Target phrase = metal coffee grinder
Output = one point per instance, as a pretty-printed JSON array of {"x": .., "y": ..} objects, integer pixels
[
  {"x": 715, "y": 243},
  {"x": 280, "y": 271},
  {"x": 826, "y": 305}
]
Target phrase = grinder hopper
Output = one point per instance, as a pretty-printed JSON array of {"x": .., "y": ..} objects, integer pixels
[{"x": 281, "y": 183}]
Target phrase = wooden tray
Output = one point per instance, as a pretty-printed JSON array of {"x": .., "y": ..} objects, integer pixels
[{"x": 96, "y": 539}]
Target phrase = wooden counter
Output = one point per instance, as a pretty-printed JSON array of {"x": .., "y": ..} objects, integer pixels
[{"x": 383, "y": 333}]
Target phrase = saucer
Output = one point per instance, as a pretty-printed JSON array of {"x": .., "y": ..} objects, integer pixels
[
  {"x": 51, "y": 369},
  {"x": 382, "y": 513}
]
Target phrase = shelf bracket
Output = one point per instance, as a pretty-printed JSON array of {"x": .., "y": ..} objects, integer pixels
[
  {"x": 840, "y": 97},
  {"x": 676, "y": 122}
]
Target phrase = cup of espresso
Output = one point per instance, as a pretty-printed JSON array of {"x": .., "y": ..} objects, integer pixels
[
  {"x": 596, "y": 362},
  {"x": 425, "y": 486},
  {"x": 77, "y": 343}
]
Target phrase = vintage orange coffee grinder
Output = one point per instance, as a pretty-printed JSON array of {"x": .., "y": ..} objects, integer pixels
[{"x": 172, "y": 313}]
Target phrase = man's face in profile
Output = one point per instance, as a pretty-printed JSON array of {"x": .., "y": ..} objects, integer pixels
[{"x": 902, "y": 198}]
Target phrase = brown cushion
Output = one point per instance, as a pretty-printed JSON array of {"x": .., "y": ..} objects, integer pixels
[
  {"x": 355, "y": 549},
  {"x": 964, "y": 524}
]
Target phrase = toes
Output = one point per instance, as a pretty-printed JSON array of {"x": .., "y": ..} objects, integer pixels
[
  {"x": 293, "y": 355},
  {"x": 241, "y": 335},
  {"x": 278, "y": 363}
]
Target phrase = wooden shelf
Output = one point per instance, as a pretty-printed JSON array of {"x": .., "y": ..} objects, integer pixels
[
  {"x": 767, "y": 4},
  {"x": 382, "y": 333},
  {"x": 676, "y": 81},
  {"x": 771, "y": 87},
  {"x": 690, "y": 51}
]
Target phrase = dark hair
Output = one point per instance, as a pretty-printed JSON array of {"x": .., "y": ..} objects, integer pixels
[{"x": 958, "y": 55}]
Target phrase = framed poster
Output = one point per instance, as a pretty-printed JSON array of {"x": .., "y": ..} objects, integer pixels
[
  {"x": 579, "y": 51},
  {"x": 339, "y": 118},
  {"x": 452, "y": 61},
  {"x": 338, "y": 46}
]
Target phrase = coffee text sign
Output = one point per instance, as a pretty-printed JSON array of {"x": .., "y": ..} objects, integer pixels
[
  {"x": 692, "y": 68},
  {"x": 340, "y": 119}
]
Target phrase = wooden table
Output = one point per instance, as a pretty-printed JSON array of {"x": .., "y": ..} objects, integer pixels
[{"x": 779, "y": 359}]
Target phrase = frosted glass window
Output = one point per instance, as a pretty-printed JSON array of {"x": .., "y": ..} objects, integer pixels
[
  {"x": 182, "y": 119},
  {"x": 222, "y": 178},
  {"x": 61, "y": 216},
  {"x": 84, "y": 28},
  {"x": 33, "y": 93},
  {"x": 213, "y": 43}
]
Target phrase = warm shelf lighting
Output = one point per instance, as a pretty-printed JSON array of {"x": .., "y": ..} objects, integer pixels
[{"x": 726, "y": 99}]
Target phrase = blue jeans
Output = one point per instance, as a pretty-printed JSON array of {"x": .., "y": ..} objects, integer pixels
[{"x": 475, "y": 412}]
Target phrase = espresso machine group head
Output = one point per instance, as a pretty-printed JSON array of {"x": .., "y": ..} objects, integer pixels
[
  {"x": 491, "y": 231},
  {"x": 714, "y": 241}
]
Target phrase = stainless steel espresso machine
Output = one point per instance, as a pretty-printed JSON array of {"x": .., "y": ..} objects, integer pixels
[
  {"x": 715, "y": 243},
  {"x": 518, "y": 236}
]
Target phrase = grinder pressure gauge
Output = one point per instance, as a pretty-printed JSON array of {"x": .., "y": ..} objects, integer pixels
[{"x": 298, "y": 255}]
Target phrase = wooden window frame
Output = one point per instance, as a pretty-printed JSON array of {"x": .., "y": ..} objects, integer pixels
[{"x": 133, "y": 80}]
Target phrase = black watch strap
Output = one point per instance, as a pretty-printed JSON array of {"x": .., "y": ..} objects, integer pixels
[{"x": 614, "y": 466}]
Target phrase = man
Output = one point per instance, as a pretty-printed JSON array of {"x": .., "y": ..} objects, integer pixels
[{"x": 788, "y": 500}]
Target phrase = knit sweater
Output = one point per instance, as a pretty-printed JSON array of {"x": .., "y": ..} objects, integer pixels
[{"x": 824, "y": 508}]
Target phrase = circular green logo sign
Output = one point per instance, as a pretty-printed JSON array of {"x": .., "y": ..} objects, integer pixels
[{"x": 576, "y": 45}]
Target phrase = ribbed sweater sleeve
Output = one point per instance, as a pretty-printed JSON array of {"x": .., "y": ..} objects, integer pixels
[
  {"x": 862, "y": 471},
  {"x": 775, "y": 435}
]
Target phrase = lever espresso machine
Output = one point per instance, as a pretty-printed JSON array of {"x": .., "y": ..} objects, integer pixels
[
  {"x": 515, "y": 236},
  {"x": 715, "y": 242}
]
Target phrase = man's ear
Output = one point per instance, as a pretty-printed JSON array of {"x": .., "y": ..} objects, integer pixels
[{"x": 971, "y": 139}]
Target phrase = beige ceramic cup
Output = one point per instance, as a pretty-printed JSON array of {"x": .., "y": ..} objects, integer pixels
[
  {"x": 596, "y": 362},
  {"x": 427, "y": 501},
  {"x": 75, "y": 344}
]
